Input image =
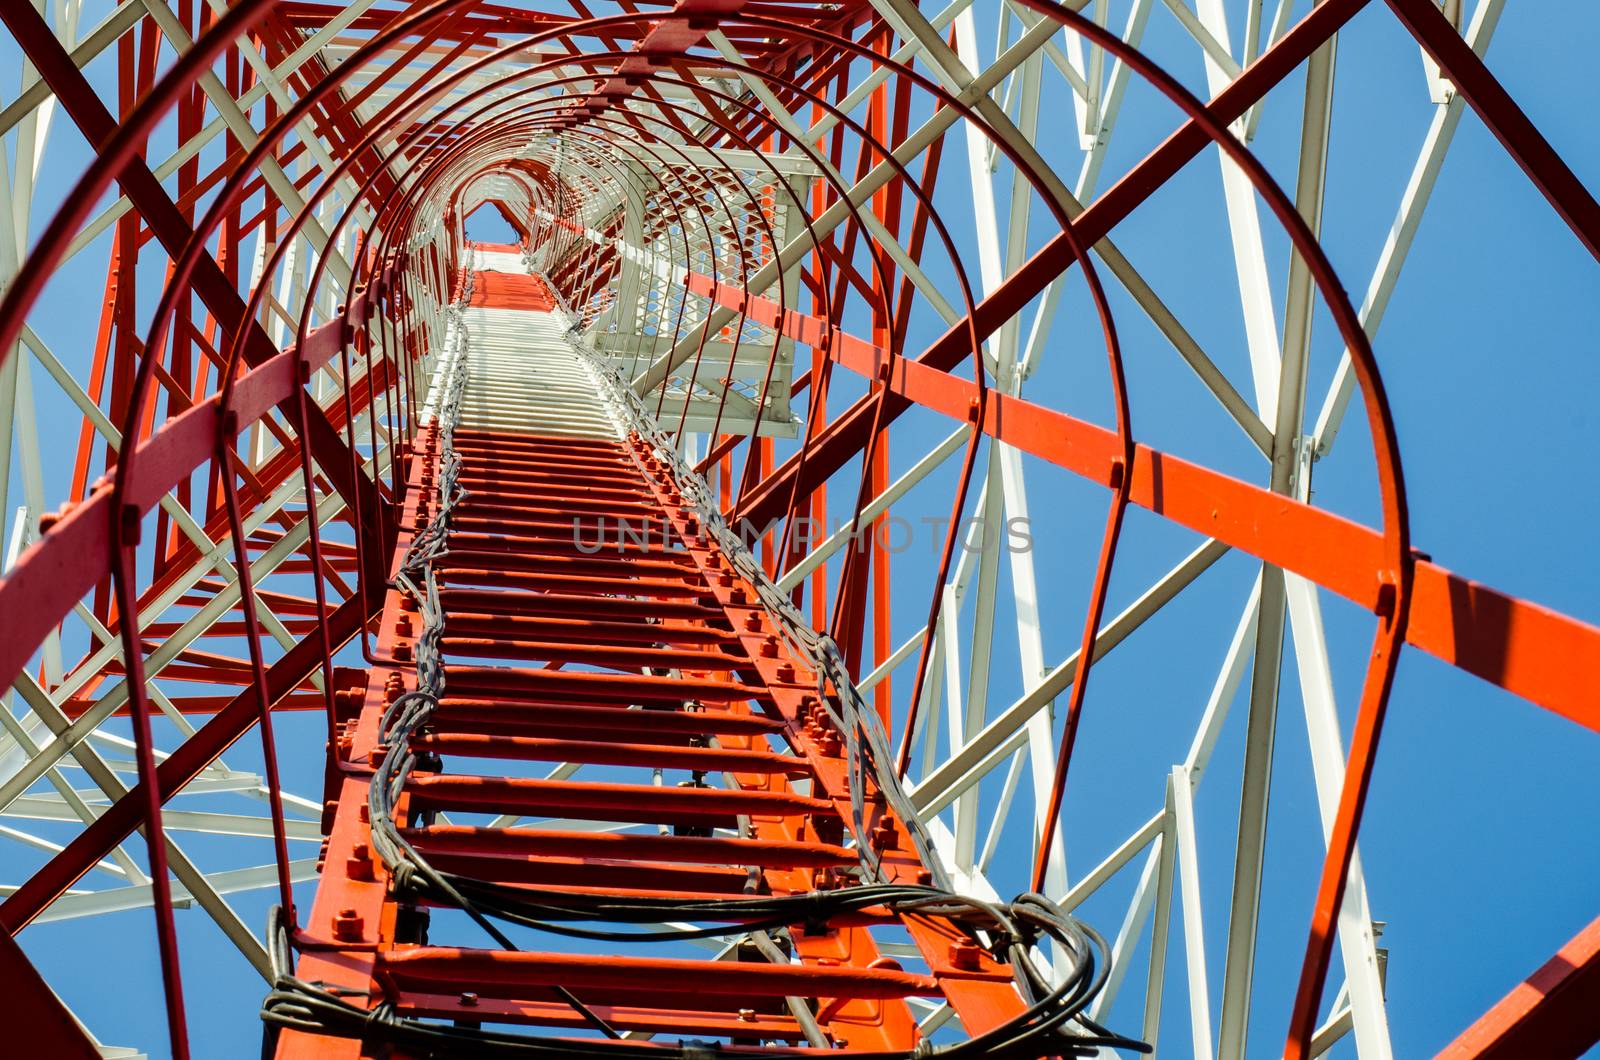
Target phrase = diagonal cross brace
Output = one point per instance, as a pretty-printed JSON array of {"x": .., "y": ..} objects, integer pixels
[
  {"x": 836, "y": 444},
  {"x": 96, "y": 123},
  {"x": 185, "y": 763}
]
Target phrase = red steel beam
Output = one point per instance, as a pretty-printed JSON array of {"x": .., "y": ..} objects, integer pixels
[
  {"x": 1494, "y": 105},
  {"x": 1554, "y": 1013},
  {"x": 58, "y": 569},
  {"x": 38, "y": 1024},
  {"x": 1548, "y": 658},
  {"x": 1543, "y": 656},
  {"x": 185, "y": 763},
  {"x": 81, "y": 102},
  {"x": 842, "y": 440},
  {"x": 441, "y": 969},
  {"x": 490, "y": 713}
]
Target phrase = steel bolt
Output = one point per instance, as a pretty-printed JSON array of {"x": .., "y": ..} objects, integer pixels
[
  {"x": 752, "y": 621},
  {"x": 359, "y": 865},
  {"x": 747, "y": 1015},
  {"x": 883, "y": 834},
  {"x": 964, "y": 955},
  {"x": 769, "y": 648},
  {"x": 48, "y": 520},
  {"x": 468, "y": 998},
  {"x": 347, "y": 926}
]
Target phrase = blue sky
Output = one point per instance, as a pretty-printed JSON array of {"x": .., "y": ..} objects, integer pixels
[{"x": 1475, "y": 841}]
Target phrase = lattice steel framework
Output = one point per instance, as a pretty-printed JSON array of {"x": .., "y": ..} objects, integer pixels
[{"x": 740, "y": 283}]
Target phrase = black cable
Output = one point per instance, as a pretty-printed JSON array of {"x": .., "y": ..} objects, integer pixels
[
  {"x": 1035, "y": 1032},
  {"x": 1007, "y": 931}
]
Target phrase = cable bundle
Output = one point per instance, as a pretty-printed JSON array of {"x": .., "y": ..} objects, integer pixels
[
  {"x": 1055, "y": 1022},
  {"x": 1043, "y": 1029},
  {"x": 865, "y": 742}
]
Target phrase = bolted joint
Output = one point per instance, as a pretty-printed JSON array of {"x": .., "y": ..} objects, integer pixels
[
  {"x": 348, "y": 926},
  {"x": 1388, "y": 593},
  {"x": 358, "y": 866},
  {"x": 964, "y": 956},
  {"x": 131, "y": 523},
  {"x": 884, "y": 836},
  {"x": 48, "y": 521}
]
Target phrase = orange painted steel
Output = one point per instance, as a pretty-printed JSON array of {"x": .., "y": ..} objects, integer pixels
[
  {"x": 1535, "y": 652},
  {"x": 1551, "y": 1013},
  {"x": 511, "y": 290},
  {"x": 643, "y": 656},
  {"x": 738, "y": 705}
]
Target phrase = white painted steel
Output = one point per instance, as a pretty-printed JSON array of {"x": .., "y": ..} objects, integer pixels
[{"x": 524, "y": 377}]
